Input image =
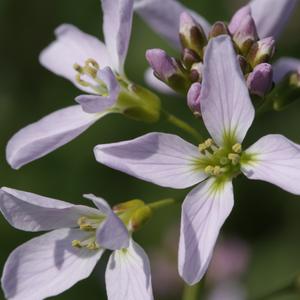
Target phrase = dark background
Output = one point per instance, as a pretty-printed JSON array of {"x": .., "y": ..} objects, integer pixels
[{"x": 266, "y": 217}]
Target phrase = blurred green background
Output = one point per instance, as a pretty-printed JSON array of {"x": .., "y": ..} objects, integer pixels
[{"x": 266, "y": 217}]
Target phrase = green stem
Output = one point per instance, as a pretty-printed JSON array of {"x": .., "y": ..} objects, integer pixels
[
  {"x": 182, "y": 125},
  {"x": 162, "y": 203},
  {"x": 191, "y": 292}
]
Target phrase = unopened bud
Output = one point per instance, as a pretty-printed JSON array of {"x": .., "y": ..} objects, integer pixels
[
  {"x": 260, "y": 80},
  {"x": 168, "y": 70},
  {"x": 286, "y": 91},
  {"x": 261, "y": 51},
  {"x": 189, "y": 57},
  {"x": 193, "y": 98},
  {"x": 191, "y": 34},
  {"x": 238, "y": 18},
  {"x": 245, "y": 35},
  {"x": 217, "y": 29},
  {"x": 196, "y": 72},
  {"x": 140, "y": 217}
]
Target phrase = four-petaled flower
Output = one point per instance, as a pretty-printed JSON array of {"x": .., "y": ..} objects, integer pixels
[
  {"x": 92, "y": 66},
  {"x": 50, "y": 264},
  {"x": 169, "y": 161}
]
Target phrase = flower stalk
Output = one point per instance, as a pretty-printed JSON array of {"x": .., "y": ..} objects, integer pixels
[{"x": 162, "y": 203}]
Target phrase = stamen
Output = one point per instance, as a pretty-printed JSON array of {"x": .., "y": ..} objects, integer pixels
[
  {"x": 209, "y": 143},
  {"x": 76, "y": 244},
  {"x": 237, "y": 148},
  {"x": 209, "y": 170},
  {"x": 234, "y": 158},
  {"x": 217, "y": 171}
]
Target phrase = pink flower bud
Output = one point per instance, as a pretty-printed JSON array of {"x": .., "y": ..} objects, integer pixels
[
  {"x": 260, "y": 80},
  {"x": 237, "y": 18},
  {"x": 193, "y": 98}
]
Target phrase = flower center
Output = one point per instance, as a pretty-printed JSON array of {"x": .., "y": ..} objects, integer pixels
[
  {"x": 219, "y": 161},
  {"x": 87, "y": 76},
  {"x": 89, "y": 225}
]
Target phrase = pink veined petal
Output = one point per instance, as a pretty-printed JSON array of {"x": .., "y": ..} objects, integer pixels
[
  {"x": 283, "y": 66},
  {"x": 276, "y": 160},
  {"x": 112, "y": 234},
  {"x": 156, "y": 84},
  {"x": 163, "y": 17},
  {"x": 96, "y": 103},
  {"x": 204, "y": 211},
  {"x": 117, "y": 30},
  {"x": 271, "y": 16},
  {"x": 226, "y": 106},
  {"x": 32, "y": 212},
  {"x": 160, "y": 158},
  {"x": 49, "y": 133},
  {"x": 128, "y": 274},
  {"x": 73, "y": 46},
  {"x": 47, "y": 266}
]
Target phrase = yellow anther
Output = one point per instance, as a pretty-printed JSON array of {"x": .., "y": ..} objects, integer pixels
[
  {"x": 92, "y": 63},
  {"x": 209, "y": 170},
  {"x": 202, "y": 147},
  {"x": 78, "y": 68},
  {"x": 234, "y": 158},
  {"x": 217, "y": 171},
  {"x": 237, "y": 148},
  {"x": 76, "y": 244},
  {"x": 81, "y": 220},
  {"x": 92, "y": 246},
  {"x": 87, "y": 227},
  {"x": 208, "y": 143}
]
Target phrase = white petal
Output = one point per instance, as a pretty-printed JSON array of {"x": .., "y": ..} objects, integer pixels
[
  {"x": 271, "y": 16},
  {"x": 283, "y": 66},
  {"x": 163, "y": 17},
  {"x": 117, "y": 24},
  {"x": 161, "y": 158},
  {"x": 112, "y": 234},
  {"x": 49, "y": 133},
  {"x": 73, "y": 46},
  {"x": 156, "y": 84},
  {"x": 31, "y": 212},
  {"x": 47, "y": 266},
  {"x": 204, "y": 211},
  {"x": 128, "y": 275},
  {"x": 226, "y": 106},
  {"x": 276, "y": 160}
]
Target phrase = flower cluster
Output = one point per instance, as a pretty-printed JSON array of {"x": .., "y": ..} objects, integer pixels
[{"x": 224, "y": 71}]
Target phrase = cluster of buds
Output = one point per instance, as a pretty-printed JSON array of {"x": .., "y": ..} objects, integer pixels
[{"x": 184, "y": 75}]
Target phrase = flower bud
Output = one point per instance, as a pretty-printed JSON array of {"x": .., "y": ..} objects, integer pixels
[
  {"x": 286, "y": 91},
  {"x": 245, "y": 35},
  {"x": 217, "y": 29},
  {"x": 243, "y": 63},
  {"x": 260, "y": 80},
  {"x": 196, "y": 72},
  {"x": 189, "y": 57},
  {"x": 261, "y": 51},
  {"x": 140, "y": 217},
  {"x": 193, "y": 98},
  {"x": 167, "y": 69},
  {"x": 191, "y": 34},
  {"x": 238, "y": 18}
]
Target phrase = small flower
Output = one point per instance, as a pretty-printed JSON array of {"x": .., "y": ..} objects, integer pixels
[
  {"x": 95, "y": 68},
  {"x": 52, "y": 263},
  {"x": 169, "y": 161}
]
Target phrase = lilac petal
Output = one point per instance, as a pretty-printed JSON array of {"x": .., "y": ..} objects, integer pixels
[
  {"x": 47, "y": 266},
  {"x": 73, "y": 46},
  {"x": 276, "y": 160},
  {"x": 128, "y": 274},
  {"x": 112, "y": 234},
  {"x": 49, "y": 133},
  {"x": 156, "y": 84},
  {"x": 271, "y": 16},
  {"x": 204, "y": 211},
  {"x": 163, "y": 17},
  {"x": 238, "y": 18},
  {"x": 285, "y": 65},
  {"x": 226, "y": 106},
  {"x": 95, "y": 103},
  {"x": 117, "y": 29},
  {"x": 160, "y": 158},
  {"x": 31, "y": 212}
]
